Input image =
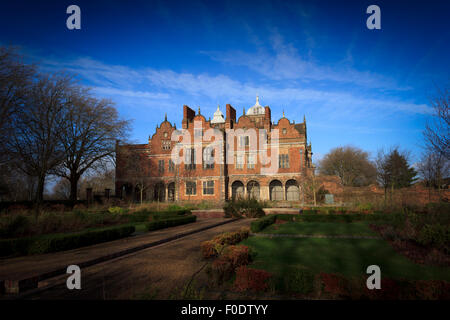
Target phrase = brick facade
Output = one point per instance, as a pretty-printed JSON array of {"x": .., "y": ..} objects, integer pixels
[{"x": 225, "y": 178}]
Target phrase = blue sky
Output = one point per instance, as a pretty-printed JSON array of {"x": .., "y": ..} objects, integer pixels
[{"x": 367, "y": 88}]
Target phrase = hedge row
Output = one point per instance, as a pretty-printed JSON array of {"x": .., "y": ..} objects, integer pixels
[
  {"x": 144, "y": 215},
  {"x": 61, "y": 242},
  {"x": 170, "y": 222},
  {"x": 212, "y": 248},
  {"x": 351, "y": 217},
  {"x": 260, "y": 224},
  {"x": 435, "y": 235}
]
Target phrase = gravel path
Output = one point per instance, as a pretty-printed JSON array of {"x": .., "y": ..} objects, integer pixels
[
  {"x": 158, "y": 271},
  {"x": 273, "y": 235}
]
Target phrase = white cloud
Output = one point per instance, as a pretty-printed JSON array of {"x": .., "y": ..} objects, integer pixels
[
  {"x": 283, "y": 62},
  {"x": 168, "y": 86}
]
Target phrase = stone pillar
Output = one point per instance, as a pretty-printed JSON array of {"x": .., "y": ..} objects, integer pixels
[
  {"x": 245, "y": 191},
  {"x": 265, "y": 193},
  {"x": 166, "y": 193}
]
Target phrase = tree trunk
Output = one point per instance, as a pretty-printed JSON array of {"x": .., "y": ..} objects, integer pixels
[
  {"x": 392, "y": 194},
  {"x": 39, "y": 197},
  {"x": 74, "y": 187}
]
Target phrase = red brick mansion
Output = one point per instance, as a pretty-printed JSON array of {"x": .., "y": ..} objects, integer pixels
[{"x": 217, "y": 159}]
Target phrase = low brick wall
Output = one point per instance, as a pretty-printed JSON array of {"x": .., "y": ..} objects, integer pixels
[
  {"x": 211, "y": 213},
  {"x": 281, "y": 210}
]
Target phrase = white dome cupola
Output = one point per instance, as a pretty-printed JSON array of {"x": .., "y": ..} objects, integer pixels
[
  {"x": 257, "y": 109},
  {"x": 218, "y": 116}
]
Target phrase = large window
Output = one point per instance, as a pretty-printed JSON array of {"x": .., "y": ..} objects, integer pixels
[
  {"x": 208, "y": 187},
  {"x": 171, "y": 166},
  {"x": 161, "y": 166},
  {"x": 239, "y": 161},
  {"x": 251, "y": 161},
  {"x": 191, "y": 188},
  {"x": 208, "y": 158},
  {"x": 189, "y": 159},
  {"x": 244, "y": 141},
  {"x": 283, "y": 160}
]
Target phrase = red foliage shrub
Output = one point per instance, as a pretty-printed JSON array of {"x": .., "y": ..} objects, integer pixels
[
  {"x": 17, "y": 208},
  {"x": 58, "y": 207},
  {"x": 339, "y": 287},
  {"x": 251, "y": 279},
  {"x": 208, "y": 249},
  {"x": 221, "y": 270},
  {"x": 79, "y": 206},
  {"x": 334, "y": 284},
  {"x": 212, "y": 247},
  {"x": 432, "y": 290},
  {"x": 237, "y": 255},
  {"x": 390, "y": 290}
]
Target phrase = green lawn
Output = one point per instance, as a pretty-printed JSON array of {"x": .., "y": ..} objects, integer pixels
[
  {"x": 140, "y": 228},
  {"x": 349, "y": 257},
  {"x": 321, "y": 228}
]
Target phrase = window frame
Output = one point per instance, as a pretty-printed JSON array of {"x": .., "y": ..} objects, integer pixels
[
  {"x": 191, "y": 188},
  {"x": 207, "y": 187},
  {"x": 161, "y": 165}
]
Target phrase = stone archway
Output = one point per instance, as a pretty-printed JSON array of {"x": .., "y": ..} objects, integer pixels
[
  {"x": 276, "y": 190},
  {"x": 253, "y": 190},
  {"x": 237, "y": 190},
  {"x": 171, "y": 192},
  {"x": 159, "y": 192},
  {"x": 292, "y": 190}
]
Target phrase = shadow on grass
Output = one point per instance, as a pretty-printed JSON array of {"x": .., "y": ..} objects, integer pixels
[{"x": 349, "y": 257}]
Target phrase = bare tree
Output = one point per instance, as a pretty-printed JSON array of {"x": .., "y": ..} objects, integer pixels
[
  {"x": 382, "y": 171},
  {"x": 16, "y": 186},
  {"x": 433, "y": 168},
  {"x": 38, "y": 125},
  {"x": 350, "y": 164},
  {"x": 91, "y": 128},
  {"x": 134, "y": 169},
  {"x": 61, "y": 190},
  {"x": 437, "y": 132},
  {"x": 15, "y": 81}
]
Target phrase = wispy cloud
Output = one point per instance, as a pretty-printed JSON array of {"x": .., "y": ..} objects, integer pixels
[
  {"x": 282, "y": 61},
  {"x": 160, "y": 85}
]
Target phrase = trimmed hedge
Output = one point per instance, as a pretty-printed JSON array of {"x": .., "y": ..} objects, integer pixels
[
  {"x": 260, "y": 224},
  {"x": 436, "y": 236},
  {"x": 60, "y": 242},
  {"x": 145, "y": 214},
  {"x": 350, "y": 217},
  {"x": 212, "y": 248},
  {"x": 287, "y": 217},
  {"x": 170, "y": 222},
  {"x": 250, "y": 208}
]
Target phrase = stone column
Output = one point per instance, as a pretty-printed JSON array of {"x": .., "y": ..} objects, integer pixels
[
  {"x": 265, "y": 193},
  {"x": 245, "y": 191}
]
